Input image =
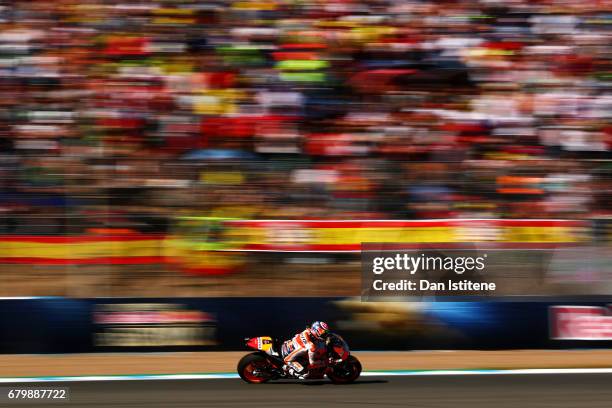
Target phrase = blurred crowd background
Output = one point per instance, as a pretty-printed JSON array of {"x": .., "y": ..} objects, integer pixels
[{"x": 118, "y": 115}]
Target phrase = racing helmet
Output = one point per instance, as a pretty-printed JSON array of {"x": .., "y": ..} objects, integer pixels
[{"x": 319, "y": 329}]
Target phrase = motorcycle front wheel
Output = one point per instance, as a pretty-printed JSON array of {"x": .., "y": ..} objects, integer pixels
[
  {"x": 254, "y": 368},
  {"x": 345, "y": 373}
]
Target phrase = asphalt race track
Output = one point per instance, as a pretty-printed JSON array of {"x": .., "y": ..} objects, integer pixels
[{"x": 496, "y": 391}]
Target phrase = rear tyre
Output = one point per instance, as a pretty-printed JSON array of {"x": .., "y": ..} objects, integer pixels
[
  {"x": 254, "y": 368},
  {"x": 346, "y": 372}
]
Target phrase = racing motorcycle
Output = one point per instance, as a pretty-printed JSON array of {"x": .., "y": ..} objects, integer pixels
[{"x": 266, "y": 363}]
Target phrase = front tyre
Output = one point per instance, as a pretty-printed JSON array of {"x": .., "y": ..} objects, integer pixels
[
  {"x": 346, "y": 372},
  {"x": 254, "y": 368}
]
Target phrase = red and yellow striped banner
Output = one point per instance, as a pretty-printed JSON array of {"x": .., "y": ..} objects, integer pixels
[{"x": 284, "y": 236}]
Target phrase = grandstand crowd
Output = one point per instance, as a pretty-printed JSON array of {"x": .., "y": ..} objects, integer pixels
[{"x": 295, "y": 109}]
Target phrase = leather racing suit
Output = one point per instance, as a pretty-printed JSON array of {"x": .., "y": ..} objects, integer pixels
[{"x": 301, "y": 344}]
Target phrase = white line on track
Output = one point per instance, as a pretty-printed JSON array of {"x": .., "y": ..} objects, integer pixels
[{"x": 215, "y": 376}]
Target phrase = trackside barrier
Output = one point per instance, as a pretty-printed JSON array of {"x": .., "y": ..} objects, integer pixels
[{"x": 61, "y": 325}]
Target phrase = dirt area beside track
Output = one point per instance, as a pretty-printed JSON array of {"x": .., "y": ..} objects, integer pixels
[{"x": 116, "y": 364}]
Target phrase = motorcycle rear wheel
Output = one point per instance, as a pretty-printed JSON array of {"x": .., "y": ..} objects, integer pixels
[
  {"x": 346, "y": 372},
  {"x": 252, "y": 366}
]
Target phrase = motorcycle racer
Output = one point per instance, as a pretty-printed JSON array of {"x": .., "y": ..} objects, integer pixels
[
  {"x": 310, "y": 341},
  {"x": 271, "y": 359}
]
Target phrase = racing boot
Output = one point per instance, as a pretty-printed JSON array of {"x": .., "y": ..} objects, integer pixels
[
  {"x": 289, "y": 371},
  {"x": 294, "y": 372}
]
